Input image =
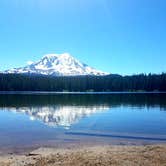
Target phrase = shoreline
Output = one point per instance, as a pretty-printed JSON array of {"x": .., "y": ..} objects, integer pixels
[
  {"x": 77, "y": 142},
  {"x": 79, "y": 93},
  {"x": 117, "y": 155}
]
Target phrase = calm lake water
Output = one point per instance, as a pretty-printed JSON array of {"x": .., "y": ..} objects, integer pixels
[{"x": 34, "y": 120}]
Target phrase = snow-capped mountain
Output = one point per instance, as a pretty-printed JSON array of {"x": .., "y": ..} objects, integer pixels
[{"x": 58, "y": 65}]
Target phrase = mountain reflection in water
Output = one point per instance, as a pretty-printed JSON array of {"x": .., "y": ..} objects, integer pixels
[
  {"x": 64, "y": 110},
  {"x": 59, "y": 115},
  {"x": 116, "y": 118}
]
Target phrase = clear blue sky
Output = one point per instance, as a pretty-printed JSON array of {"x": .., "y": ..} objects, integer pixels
[{"x": 117, "y": 36}]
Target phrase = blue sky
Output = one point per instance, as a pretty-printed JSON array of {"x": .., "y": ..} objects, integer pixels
[{"x": 117, "y": 36}]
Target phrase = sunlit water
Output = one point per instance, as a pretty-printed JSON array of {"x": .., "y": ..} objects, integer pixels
[{"x": 35, "y": 120}]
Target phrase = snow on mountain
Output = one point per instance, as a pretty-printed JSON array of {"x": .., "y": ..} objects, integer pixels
[{"x": 58, "y": 65}]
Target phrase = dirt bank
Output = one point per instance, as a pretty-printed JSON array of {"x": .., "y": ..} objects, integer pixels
[{"x": 150, "y": 155}]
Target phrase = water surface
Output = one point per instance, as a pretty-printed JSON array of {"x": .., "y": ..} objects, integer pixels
[{"x": 33, "y": 120}]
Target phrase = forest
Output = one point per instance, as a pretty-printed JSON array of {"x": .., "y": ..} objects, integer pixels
[{"x": 108, "y": 83}]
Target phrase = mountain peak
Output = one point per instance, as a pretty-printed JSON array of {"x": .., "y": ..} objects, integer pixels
[
  {"x": 50, "y": 56},
  {"x": 63, "y": 55},
  {"x": 58, "y": 64}
]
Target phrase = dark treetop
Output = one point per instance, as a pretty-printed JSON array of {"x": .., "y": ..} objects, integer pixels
[{"x": 142, "y": 82}]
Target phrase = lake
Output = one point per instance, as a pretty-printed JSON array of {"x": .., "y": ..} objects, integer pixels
[{"x": 56, "y": 120}]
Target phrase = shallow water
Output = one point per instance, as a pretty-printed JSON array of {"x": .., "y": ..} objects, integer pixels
[{"x": 33, "y": 120}]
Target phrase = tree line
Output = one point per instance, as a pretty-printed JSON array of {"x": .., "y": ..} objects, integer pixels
[{"x": 108, "y": 83}]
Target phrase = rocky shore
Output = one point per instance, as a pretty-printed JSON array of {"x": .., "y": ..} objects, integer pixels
[{"x": 149, "y": 155}]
